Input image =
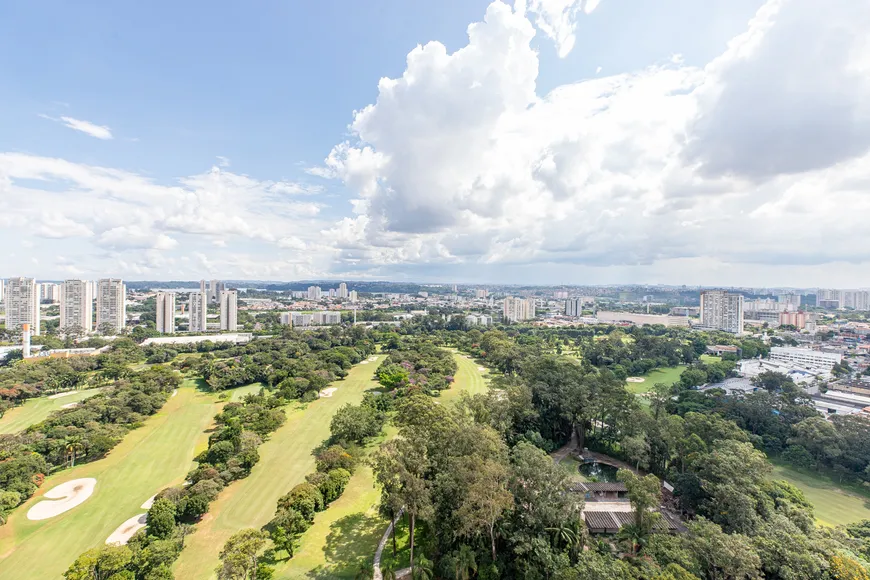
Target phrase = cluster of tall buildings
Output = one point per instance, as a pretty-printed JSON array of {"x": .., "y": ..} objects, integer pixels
[
  {"x": 856, "y": 299},
  {"x": 316, "y": 293},
  {"x": 197, "y": 308},
  {"x": 319, "y": 318},
  {"x": 518, "y": 309},
  {"x": 85, "y": 305}
]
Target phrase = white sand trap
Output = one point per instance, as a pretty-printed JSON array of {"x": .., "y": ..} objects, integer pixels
[
  {"x": 126, "y": 530},
  {"x": 363, "y": 362},
  {"x": 373, "y": 358},
  {"x": 148, "y": 503},
  {"x": 328, "y": 392},
  {"x": 175, "y": 392},
  {"x": 635, "y": 380},
  {"x": 481, "y": 369},
  {"x": 70, "y": 405},
  {"x": 59, "y": 395},
  {"x": 66, "y": 495}
]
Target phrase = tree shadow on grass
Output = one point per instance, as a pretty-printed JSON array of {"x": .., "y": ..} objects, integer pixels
[{"x": 351, "y": 540}]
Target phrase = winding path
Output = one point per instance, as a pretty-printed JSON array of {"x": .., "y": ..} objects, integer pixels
[{"x": 379, "y": 552}]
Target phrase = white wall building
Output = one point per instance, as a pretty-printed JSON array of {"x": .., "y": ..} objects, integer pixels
[
  {"x": 49, "y": 292},
  {"x": 789, "y": 302},
  {"x": 354, "y": 296},
  {"x": 721, "y": 310},
  {"x": 481, "y": 293},
  {"x": 229, "y": 300},
  {"x": 198, "y": 309},
  {"x": 314, "y": 292},
  {"x": 111, "y": 304},
  {"x": 214, "y": 291},
  {"x": 518, "y": 309},
  {"x": 22, "y": 304},
  {"x": 342, "y": 290},
  {"x": 805, "y": 357},
  {"x": 478, "y": 320},
  {"x": 166, "y": 312},
  {"x": 76, "y": 306}
]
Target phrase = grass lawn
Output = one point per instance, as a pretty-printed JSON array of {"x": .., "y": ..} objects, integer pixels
[
  {"x": 349, "y": 530},
  {"x": 468, "y": 379},
  {"x": 285, "y": 459},
  {"x": 709, "y": 358},
  {"x": 667, "y": 375},
  {"x": 38, "y": 409},
  {"x": 156, "y": 455},
  {"x": 834, "y": 504}
]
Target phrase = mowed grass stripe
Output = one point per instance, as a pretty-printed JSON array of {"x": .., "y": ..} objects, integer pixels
[
  {"x": 285, "y": 459},
  {"x": 833, "y": 505},
  {"x": 36, "y": 410},
  {"x": 350, "y": 529},
  {"x": 156, "y": 455}
]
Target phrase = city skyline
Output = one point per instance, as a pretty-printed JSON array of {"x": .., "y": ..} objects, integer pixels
[{"x": 717, "y": 143}]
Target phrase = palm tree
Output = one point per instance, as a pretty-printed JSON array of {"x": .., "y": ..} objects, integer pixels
[
  {"x": 635, "y": 536},
  {"x": 422, "y": 569},
  {"x": 73, "y": 447},
  {"x": 465, "y": 563}
]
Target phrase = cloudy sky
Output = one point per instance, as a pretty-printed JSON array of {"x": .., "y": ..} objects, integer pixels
[{"x": 552, "y": 141}]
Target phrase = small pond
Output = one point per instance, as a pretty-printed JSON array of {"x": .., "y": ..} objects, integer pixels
[{"x": 595, "y": 471}]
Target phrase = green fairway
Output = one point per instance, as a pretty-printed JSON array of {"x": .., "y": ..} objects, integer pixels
[
  {"x": 834, "y": 505},
  {"x": 350, "y": 529},
  {"x": 709, "y": 358},
  {"x": 469, "y": 379},
  {"x": 667, "y": 375},
  {"x": 156, "y": 455},
  {"x": 285, "y": 459},
  {"x": 35, "y": 410}
]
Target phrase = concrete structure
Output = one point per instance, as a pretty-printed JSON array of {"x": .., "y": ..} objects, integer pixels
[
  {"x": 641, "y": 319},
  {"x": 2, "y": 289},
  {"x": 853, "y": 299},
  {"x": 22, "y": 304},
  {"x": 354, "y": 296},
  {"x": 111, "y": 304},
  {"x": 214, "y": 291},
  {"x": 314, "y": 293},
  {"x": 478, "y": 320},
  {"x": 237, "y": 338},
  {"x": 166, "y": 312},
  {"x": 797, "y": 319},
  {"x": 805, "y": 357},
  {"x": 229, "y": 300},
  {"x": 25, "y": 340},
  {"x": 518, "y": 309},
  {"x": 49, "y": 292},
  {"x": 574, "y": 307},
  {"x": 789, "y": 302},
  {"x": 481, "y": 293},
  {"x": 76, "y": 306},
  {"x": 722, "y": 310},
  {"x": 198, "y": 308},
  {"x": 319, "y": 318},
  {"x": 342, "y": 290},
  {"x": 324, "y": 317}
]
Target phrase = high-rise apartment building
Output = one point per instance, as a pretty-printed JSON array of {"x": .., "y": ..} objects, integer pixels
[
  {"x": 2, "y": 289},
  {"x": 214, "y": 291},
  {"x": 855, "y": 299},
  {"x": 166, "y": 312},
  {"x": 574, "y": 307},
  {"x": 198, "y": 309},
  {"x": 721, "y": 310},
  {"x": 76, "y": 306},
  {"x": 518, "y": 309},
  {"x": 229, "y": 300},
  {"x": 111, "y": 305},
  {"x": 49, "y": 292},
  {"x": 22, "y": 304},
  {"x": 354, "y": 296},
  {"x": 481, "y": 293},
  {"x": 314, "y": 292},
  {"x": 342, "y": 290},
  {"x": 789, "y": 302}
]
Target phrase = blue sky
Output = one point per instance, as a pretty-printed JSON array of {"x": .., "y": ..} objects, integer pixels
[{"x": 220, "y": 116}]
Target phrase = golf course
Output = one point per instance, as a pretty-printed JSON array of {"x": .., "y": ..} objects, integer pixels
[
  {"x": 667, "y": 375},
  {"x": 150, "y": 458},
  {"x": 38, "y": 409},
  {"x": 285, "y": 459},
  {"x": 350, "y": 529},
  {"x": 833, "y": 505}
]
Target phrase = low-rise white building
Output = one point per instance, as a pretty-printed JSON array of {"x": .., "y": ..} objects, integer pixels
[
  {"x": 805, "y": 357},
  {"x": 478, "y": 320}
]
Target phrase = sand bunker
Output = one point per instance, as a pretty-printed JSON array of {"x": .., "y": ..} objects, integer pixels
[
  {"x": 148, "y": 503},
  {"x": 635, "y": 379},
  {"x": 363, "y": 362},
  {"x": 70, "y": 405},
  {"x": 66, "y": 495},
  {"x": 373, "y": 358},
  {"x": 175, "y": 392},
  {"x": 481, "y": 369},
  {"x": 126, "y": 530},
  {"x": 59, "y": 395},
  {"x": 328, "y": 392}
]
